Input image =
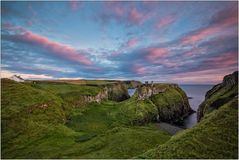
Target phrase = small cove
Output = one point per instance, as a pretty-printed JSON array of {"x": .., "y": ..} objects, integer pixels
[{"x": 197, "y": 92}]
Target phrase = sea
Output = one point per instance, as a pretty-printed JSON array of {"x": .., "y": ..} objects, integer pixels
[{"x": 197, "y": 94}]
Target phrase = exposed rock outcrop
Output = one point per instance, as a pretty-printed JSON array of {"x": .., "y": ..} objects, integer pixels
[
  {"x": 102, "y": 95},
  {"x": 171, "y": 101},
  {"x": 219, "y": 95},
  {"x": 115, "y": 92},
  {"x": 146, "y": 91}
]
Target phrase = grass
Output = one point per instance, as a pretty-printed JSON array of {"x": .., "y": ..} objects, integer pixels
[
  {"x": 35, "y": 125},
  {"x": 136, "y": 112},
  {"x": 64, "y": 88},
  {"x": 216, "y": 136},
  {"x": 214, "y": 101}
]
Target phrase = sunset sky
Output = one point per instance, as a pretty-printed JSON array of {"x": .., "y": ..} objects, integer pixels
[{"x": 179, "y": 42}]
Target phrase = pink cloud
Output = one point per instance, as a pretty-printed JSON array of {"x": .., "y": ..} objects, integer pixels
[
  {"x": 11, "y": 27},
  {"x": 119, "y": 10},
  {"x": 195, "y": 51},
  {"x": 200, "y": 35},
  {"x": 169, "y": 64},
  {"x": 139, "y": 69},
  {"x": 136, "y": 17},
  {"x": 74, "y": 5},
  {"x": 132, "y": 42},
  {"x": 127, "y": 45},
  {"x": 56, "y": 48},
  {"x": 227, "y": 17},
  {"x": 211, "y": 76},
  {"x": 53, "y": 47},
  {"x": 165, "y": 21},
  {"x": 219, "y": 23},
  {"x": 115, "y": 8},
  {"x": 223, "y": 61},
  {"x": 154, "y": 54}
]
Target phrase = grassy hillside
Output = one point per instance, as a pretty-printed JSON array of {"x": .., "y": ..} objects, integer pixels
[
  {"x": 216, "y": 136},
  {"x": 220, "y": 94},
  {"x": 35, "y": 125},
  {"x": 38, "y": 121}
]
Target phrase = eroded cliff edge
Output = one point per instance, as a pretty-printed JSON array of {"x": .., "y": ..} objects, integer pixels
[
  {"x": 156, "y": 103},
  {"x": 219, "y": 95},
  {"x": 215, "y": 136}
]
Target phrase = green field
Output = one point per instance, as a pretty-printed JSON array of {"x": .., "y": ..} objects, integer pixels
[
  {"x": 216, "y": 136},
  {"x": 35, "y": 125},
  {"x": 41, "y": 120}
]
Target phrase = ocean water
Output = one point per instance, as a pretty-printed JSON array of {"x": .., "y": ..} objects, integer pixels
[
  {"x": 197, "y": 92},
  {"x": 131, "y": 92}
]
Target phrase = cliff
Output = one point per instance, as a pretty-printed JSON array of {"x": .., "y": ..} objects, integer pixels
[
  {"x": 117, "y": 92},
  {"x": 214, "y": 137},
  {"x": 157, "y": 102},
  {"x": 171, "y": 101},
  {"x": 219, "y": 95}
]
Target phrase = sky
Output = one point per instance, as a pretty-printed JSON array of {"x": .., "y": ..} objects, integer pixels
[{"x": 176, "y": 42}]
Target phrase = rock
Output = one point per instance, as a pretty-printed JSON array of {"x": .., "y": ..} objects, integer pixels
[
  {"x": 230, "y": 80},
  {"x": 219, "y": 95},
  {"x": 171, "y": 101},
  {"x": 115, "y": 92},
  {"x": 146, "y": 91}
]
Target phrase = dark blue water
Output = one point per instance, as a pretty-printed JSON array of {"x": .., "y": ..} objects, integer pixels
[
  {"x": 197, "y": 92},
  {"x": 131, "y": 92}
]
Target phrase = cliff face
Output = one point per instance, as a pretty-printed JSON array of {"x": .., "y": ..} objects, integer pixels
[
  {"x": 115, "y": 92},
  {"x": 219, "y": 95},
  {"x": 214, "y": 137},
  {"x": 169, "y": 99},
  {"x": 146, "y": 91}
]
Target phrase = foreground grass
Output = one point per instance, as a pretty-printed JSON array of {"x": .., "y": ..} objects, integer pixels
[
  {"x": 102, "y": 134},
  {"x": 216, "y": 136},
  {"x": 34, "y": 125}
]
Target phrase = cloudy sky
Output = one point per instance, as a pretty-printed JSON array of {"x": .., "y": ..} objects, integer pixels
[{"x": 180, "y": 42}]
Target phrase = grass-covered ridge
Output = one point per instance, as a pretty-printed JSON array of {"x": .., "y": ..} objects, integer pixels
[
  {"x": 216, "y": 136},
  {"x": 36, "y": 124},
  {"x": 219, "y": 95},
  {"x": 41, "y": 120}
]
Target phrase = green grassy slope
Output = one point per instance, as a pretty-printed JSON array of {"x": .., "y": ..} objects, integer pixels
[
  {"x": 34, "y": 125},
  {"x": 27, "y": 115},
  {"x": 170, "y": 106},
  {"x": 216, "y": 136},
  {"x": 102, "y": 135},
  {"x": 62, "y": 88},
  {"x": 220, "y": 94}
]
